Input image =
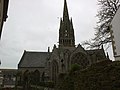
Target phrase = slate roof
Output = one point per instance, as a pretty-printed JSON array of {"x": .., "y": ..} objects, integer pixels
[
  {"x": 96, "y": 51},
  {"x": 33, "y": 59}
]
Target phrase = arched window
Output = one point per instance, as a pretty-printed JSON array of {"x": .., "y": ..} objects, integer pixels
[
  {"x": 54, "y": 70},
  {"x": 26, "y": 77},
  {"x": 36, "y": 77}
]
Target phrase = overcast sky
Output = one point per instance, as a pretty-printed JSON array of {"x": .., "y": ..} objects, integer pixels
[{"x": 34, "y": 25}]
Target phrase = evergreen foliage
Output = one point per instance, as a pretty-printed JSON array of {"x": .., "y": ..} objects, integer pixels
[
  {"x": 100, "y": 76},
  {"x": 75, "y": 67}
]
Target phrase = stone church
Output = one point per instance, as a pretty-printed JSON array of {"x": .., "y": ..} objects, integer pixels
[{"x": 51, "y": 64}]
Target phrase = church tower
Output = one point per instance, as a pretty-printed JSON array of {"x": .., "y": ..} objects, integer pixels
[{"x": 66, "y": 30}]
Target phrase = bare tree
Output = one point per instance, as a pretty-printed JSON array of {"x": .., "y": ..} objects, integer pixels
[{"x": 107, "y": 10}]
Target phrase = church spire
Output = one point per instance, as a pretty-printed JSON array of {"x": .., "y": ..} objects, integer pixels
[
  {"x": 65, "y": 12},
  {"x": 66, "y": 30}
]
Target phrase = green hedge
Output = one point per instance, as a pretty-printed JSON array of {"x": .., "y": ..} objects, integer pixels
[{"x": 100, "y": 76}]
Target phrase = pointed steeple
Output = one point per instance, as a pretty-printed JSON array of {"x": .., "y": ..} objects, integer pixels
[
  {"x": 65, "y": 12},
  {"x": 66, "y": 31},
  {"x": 48, "y": 49},
  {"x": 54, "y": 46},
  {"x": 61, "y": 23},
  {"x": 71, "y": 23}
]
